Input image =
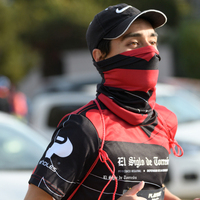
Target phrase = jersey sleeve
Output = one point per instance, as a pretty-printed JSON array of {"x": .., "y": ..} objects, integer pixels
[{"x": 68, "y": 157}]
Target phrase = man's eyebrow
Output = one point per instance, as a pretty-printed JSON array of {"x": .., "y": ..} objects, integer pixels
[{"x": 153, "y": 34}]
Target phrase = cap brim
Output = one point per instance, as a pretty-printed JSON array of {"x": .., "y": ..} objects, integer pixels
[{"x": 155, "y": 17}]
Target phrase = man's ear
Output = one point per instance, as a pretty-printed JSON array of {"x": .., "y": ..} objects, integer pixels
[{"x": 97, "y": 55}]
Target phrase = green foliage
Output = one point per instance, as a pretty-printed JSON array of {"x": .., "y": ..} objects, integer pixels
[
  {"x": 15, "y": 57},
  {"x": 29, "y": 29},
  {"x": 34, "y": 30},
  {"x": 188, "y": 48}
]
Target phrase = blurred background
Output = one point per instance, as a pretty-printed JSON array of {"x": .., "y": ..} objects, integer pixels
[
  {"x": 46, "y": 71},
  {"x": 45, "y": 39}
]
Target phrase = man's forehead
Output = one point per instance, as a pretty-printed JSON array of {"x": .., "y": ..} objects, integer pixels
[
  {"x": 151, "y": 33},
  {"x": 140, "y": 27}
]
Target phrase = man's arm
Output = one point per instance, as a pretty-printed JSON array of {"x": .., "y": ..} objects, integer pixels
[
  {"x": 170, "y": 196},
  {"x": 35, "y": 193}
]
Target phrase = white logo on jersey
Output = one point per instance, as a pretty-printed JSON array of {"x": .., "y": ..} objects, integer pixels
[
  {"x": 123, "y": 9},
  {"x": 60, "y": 149}
]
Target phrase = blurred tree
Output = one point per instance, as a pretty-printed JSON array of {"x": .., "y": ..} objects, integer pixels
[
  {"x": 55, "y": 26},
  {"x": 187, "y": 41},
  {"x": 188, "y": 45},
  {"x": 15, "y": 57},
  {"x": 36, "y": 32}
]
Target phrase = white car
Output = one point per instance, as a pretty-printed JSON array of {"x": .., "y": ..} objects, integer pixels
[
  {"x": 20, "y": 150},
  {"x": 184, "y": 173},
  {"x": 47, "y": 109}
]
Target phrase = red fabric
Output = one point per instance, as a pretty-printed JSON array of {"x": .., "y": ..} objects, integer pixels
[
  {"x": 145, "y": 53},
  {"x": 128, "y": 116},
  {"x": 131, "y": 80},
  {"x": 125, "y": 132}
]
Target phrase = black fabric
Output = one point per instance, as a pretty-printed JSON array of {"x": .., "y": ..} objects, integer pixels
[
  {"x": 135, "y": 101},
  {"x": 121, "y": 61},
  {"x": 51, "y": 171},
  {"x": 136, "y": 62}
]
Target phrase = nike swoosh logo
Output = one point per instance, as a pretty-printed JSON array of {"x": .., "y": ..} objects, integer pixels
[{"x": 123, "y": 9}]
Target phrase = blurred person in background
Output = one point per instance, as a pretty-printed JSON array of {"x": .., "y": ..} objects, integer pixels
[
  {"x": 5, "y": 94},
  {"x": 11, "y": 100},
  {"x": 18, "y": 102}
]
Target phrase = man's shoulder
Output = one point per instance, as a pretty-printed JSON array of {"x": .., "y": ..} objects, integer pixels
[{"x": 167, "y": 117}]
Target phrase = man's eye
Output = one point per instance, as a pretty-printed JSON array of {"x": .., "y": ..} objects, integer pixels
[
  {"x": 134, "y": 43},
  {"x": 153, "y": 43}
]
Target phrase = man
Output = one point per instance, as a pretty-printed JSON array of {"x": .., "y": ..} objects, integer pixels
[{"x": 117, "y": 146}]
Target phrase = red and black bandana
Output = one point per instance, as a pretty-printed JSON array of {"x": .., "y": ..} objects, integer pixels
[{"x": 129, "y": 81}]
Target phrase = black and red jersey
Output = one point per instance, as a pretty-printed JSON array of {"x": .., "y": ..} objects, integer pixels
[
  {"x": 114, "y": 142},
  {"x": 138, "y": 152}
]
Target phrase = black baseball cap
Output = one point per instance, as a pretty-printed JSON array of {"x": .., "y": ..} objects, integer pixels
[{"x": 115, "y": 20}]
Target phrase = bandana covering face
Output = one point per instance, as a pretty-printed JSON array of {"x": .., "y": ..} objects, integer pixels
[{"x": 128, "y": 86}]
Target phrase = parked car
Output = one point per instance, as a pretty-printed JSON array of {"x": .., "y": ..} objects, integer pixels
[
  {"x": 67, "y": 83},
  {"x": 49, "y": 108},
  {"x": 20, "y": 150},
  {"x": 184, "y": 173}
]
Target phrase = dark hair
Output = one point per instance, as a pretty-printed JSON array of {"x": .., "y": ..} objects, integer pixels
[{"x": 104, "y": 47}]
